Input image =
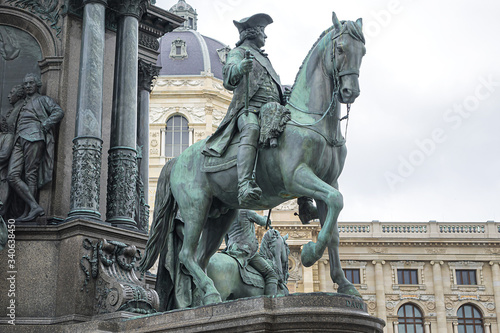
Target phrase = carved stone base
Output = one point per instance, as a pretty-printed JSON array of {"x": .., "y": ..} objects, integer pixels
[{"x": 314, "y": 312}]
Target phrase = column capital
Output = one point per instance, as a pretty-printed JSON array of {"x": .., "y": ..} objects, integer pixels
[
  {"x": 439, "y": 263},
  {"x": 494, "y": 263},
  {"x": 382, "y": 262},
  {"x": 147, "y": 74},
  {"x": 133, "y": 8}
]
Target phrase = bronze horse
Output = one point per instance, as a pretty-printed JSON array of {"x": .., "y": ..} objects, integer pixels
[{"x": 307, "y": 162}]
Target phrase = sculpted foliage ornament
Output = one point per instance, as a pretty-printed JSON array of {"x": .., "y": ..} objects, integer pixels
[{"x": 47, "y": 10}]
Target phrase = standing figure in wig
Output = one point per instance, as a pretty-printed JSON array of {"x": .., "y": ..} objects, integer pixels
[{"x": 32, "y": 158}]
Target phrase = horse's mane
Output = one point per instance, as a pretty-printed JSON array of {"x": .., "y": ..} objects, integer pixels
[
  {"x": 352, "y": 29},
  {"x": 309, "y": 53},
  {"x": 265, "y": 245}
]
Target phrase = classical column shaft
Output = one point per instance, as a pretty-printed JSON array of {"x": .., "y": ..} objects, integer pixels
[
  {"x": 122, "y": 165},
  {"x": 495, "y": 269},
  {"x": 87, "y": 144},
  {"x": 379, "y": 290},
  {"x": 147, "y": 72},
  {"x": 438, "y": 291},
  {"x": 395, "y": 326},
  {"x": 321, "y": 275}
]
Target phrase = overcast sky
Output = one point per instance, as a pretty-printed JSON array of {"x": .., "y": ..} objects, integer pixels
[{"x": 424, "y": 135}]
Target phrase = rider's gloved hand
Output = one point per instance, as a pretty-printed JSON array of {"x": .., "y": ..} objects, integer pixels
[{"x": 245, "y": 66}]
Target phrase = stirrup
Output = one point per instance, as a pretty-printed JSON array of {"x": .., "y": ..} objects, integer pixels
[{"x": 248, "y": 192}]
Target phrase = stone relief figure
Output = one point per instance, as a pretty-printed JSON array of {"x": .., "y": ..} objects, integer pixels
[
  {"x": 32, "y": 159},
  {"x": 7, "y": 134}
]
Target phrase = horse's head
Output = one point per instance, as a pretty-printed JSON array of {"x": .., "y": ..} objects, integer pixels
[{"x": 348, "y": 50}]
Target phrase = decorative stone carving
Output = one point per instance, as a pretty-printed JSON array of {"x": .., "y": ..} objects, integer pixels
[
  {"x": 222, "y": 53},
  {"x": 85, "y": 180},
  {"x": 122, "y": 163},
  {"x": 47, "y": 10},
  {"x": 147, "y": 74},
  {"x": 289, "y": 205},
  {"x": 148, "y": 41},
  {"x": 294, "y": 265},
  {"x": 117, "y": 288},
  {"x": 178, "y": 49}
]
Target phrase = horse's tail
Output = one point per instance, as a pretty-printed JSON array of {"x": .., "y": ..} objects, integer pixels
[{"x": 165, "y": 210}]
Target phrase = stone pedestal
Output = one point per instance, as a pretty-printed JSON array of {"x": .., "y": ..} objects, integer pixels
[
  {"x": 56, "y": 275},
  {"x": 313, "y": 312}
]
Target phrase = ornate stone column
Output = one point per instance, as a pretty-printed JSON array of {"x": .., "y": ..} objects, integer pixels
[
  {"x": 455, "y": 327},
  {"x": 427, "y": 327},
  {"x": 87, "y": 144},
  {"x": 379, "y": 289},
  {"x": 438, "y": 291},
  {"x": 495, "y": 270},
  {"x": 122, "y": 157},
  {"x": 487, "y": 327},
  {"x": 147, "y": 73}
]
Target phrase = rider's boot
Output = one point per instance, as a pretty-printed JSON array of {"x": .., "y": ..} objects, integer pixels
[
  {"x": 307, "y": 210},
  {"x": 271, "y": 288},
  {"x": 248, "y": 190}
]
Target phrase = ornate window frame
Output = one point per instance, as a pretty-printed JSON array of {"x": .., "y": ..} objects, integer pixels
[
  {"x": 419, "y": 266},
  {"x": 183, "y": 49},
  {"x": 469, "y": 265},
  {"x": 361, "y": 265}
]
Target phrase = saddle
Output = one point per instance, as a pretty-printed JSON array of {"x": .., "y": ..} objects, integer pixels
[{"x": 273, "y": 119}]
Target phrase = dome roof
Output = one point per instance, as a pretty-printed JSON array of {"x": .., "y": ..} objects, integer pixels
[
  {"x": 187, "y": 52},
  {"x": 181, "y": 6}
]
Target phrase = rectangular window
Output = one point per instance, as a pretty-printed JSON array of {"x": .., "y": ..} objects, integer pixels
[
  {"x": 352, "y": 275},
  {"x": 407, "y": 276},
  {"x": 466, "y": 276}
]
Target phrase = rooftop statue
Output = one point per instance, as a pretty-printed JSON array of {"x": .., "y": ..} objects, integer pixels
[{"x": 306, "y": 162}]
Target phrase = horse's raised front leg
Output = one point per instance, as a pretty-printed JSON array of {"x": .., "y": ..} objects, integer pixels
[
  {"x": 336, "y": 272},
  {"x": 306, "y": 183}
]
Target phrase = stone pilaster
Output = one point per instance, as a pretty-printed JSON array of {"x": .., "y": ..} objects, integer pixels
[
  {"x": 321, "y": 275},
  {"x": 379, "y": 289},
  {"x": 439, "y": 293},
  {"x": 87, "y": 144},
  {"x": 495, "y": 270},
  {"x": 122, "y": 165}
]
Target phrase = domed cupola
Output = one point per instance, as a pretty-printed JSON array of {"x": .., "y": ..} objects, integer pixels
[
  {"x": 184, "y": 10},
  {"x": 185, "y": 51}
]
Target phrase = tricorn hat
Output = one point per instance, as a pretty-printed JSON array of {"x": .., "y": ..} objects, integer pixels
[{"x": 253, "y": 21}]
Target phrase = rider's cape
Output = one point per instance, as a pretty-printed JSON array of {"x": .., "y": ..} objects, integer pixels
[{"x": 217, "y": 144}]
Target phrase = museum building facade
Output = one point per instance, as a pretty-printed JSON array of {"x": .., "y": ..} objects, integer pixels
[{"x": 417, "y": 276}]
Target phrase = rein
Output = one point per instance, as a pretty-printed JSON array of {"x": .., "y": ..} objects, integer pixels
[{"x": 337, "y": 75}]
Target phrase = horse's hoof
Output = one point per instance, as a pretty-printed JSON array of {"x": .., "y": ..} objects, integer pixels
[
  {"x": 348, "y": 289},
  {"x": 308, "y": 255},
  {"x": 212, "y": 299}
]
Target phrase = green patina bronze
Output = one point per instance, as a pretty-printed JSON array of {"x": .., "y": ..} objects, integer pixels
[
  {"x": 306, "y": 163},
  {"x": 235, "y": 278}
]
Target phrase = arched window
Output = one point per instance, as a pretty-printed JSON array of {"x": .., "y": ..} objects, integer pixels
[
  {"x": 176, "y": 136},
  {"x": 470, "y": 319},
  {"x": 410, "y": 319}
]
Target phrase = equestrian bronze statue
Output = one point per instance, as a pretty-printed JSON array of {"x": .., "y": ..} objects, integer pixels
[{"x": 306, "y": 162}]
